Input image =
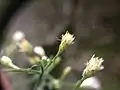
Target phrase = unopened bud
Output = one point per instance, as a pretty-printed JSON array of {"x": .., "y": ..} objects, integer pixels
[
  {"x": 39, "y": 51},
  {"x": 34, "y": 59},
  {"x": 66, "y": 71},
  {"x": 18, "y": 36},
  {"x": 91, "y": 83},
  {"x": 21, "y": 42},
  {"x": 8, "y": 62}
]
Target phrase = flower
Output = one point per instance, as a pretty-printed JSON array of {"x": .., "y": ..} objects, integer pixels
[
  {"x": 67, "y": 39},
  {"x": 39, "y": 51},
  {"x": 18, "y": 36},
  {"x": 92, "y": 83},
  {"x": 8, "y": 62},
  {"x": 94, "y": 64},
  {"x": 22, "y": 43}
]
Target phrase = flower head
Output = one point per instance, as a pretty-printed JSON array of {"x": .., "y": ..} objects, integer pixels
[
  {"x": 95, "y": 64},
  {"x": 67, "y": 39}
]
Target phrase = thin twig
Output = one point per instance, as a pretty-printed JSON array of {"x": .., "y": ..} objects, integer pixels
[{"x": 28, "y": 70}]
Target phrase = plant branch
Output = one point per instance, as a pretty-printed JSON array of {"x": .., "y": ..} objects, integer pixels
[
  {"x": 28, "y": 70},
  {"x": 52, "y": 61}
]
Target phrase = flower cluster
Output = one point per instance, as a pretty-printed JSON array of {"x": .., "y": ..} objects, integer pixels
[
  {"x": 34, "y": 54},
  {"x": 43, "y": 65}
]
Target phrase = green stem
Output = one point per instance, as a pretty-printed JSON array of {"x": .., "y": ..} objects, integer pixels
[
  {"x": 53, "y": 65},
  {"x": 51, "y": 61},
  {"x": 79, "y": 82},
  {"x": 37, "y": 83},
  {"x": 39, "y": 79},
  {"x": 28, "y": 70}
]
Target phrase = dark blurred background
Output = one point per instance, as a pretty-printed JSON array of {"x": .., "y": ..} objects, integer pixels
[{"x": 95, "y": 23}]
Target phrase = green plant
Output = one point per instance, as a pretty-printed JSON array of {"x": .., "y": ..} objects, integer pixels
[{"x": 42, "y": 65}]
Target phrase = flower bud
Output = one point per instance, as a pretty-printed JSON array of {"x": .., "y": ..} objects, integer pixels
[
  {"x": 18, "y": 36},
  {"x": 65, "y": 72},
  {"x": 39, "y": 51},
  {"x": 8, "y": 62},
  {"x": 21, "y": 42},
  {"x": 91, "y": 83}
]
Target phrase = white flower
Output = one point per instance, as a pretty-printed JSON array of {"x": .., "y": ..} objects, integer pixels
[
  {"x": 67, "y": 39},
  {"x": 39, "y": 51},
  {"x": 18, "y": 36},
  {"x": 95, "y": 64},
  {"x": 92, "y": 83},
  {"x": 45, "y": 58},
  {"x": 7, "y": 62},
  {"x": 23, "y": 44}
]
